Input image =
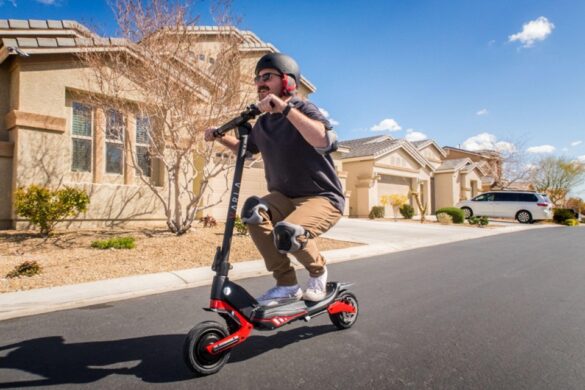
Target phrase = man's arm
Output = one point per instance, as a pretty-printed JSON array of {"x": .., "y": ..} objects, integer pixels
[{"x": 229, "y": 141}]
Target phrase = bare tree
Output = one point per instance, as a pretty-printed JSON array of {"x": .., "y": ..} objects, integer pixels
[
  {"x": 556, "y": 176},
  {"x": 163, "y": 85}
]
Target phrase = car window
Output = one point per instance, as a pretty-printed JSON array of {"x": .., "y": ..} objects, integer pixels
[
  {"x": 505, "y": 197},
  {"x": 481, "y": 198},
  {"x": 527, "y": 198}
]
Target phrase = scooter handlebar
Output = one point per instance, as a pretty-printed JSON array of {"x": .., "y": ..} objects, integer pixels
[{"x": 251, "y": 112}]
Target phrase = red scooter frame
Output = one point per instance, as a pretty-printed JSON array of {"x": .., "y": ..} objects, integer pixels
[{"x": 208, "y": 345}]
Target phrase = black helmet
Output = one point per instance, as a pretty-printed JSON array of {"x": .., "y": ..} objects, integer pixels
[{"x": 281, "y": 62}]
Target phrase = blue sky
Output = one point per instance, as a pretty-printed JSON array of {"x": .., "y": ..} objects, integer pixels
[{"x": 463, "y": 72}]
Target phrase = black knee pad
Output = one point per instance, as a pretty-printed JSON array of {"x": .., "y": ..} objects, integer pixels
[
  {"x": 251, "y": 210},
  {"x": 286, "y": 237}
]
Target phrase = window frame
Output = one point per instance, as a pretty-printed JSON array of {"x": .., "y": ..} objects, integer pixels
[
  {"x": 114, "y": 141},
  {"x": 89, "y": 137}
]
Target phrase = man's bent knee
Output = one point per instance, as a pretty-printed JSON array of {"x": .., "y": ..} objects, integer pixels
[
  {"x": 289, "y": 238},
  {"x": 251, "y": 210}
]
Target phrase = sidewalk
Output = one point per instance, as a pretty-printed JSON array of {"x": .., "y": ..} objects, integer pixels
[{"x": 379, "y": 237}]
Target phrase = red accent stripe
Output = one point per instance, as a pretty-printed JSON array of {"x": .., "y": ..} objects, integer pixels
[
  {"x": 340, "y": 307},
  {"x": 242, "y": 333}
]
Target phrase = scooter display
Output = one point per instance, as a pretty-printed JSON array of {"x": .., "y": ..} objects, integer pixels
[{"x": 208, "y": 345}]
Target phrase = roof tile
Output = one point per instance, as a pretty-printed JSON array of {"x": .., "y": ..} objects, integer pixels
[
  {"x": 4, "y": 24},
  {"x": 65, "y": 42},
  {"x": 47, "y": 42},
  {"x": 9, "y": 42},
  {"x": 37, "y": 23},
  {"x": 84, "y": 41},
  {"x": 27, "y": 42},
  {"x": 55, "y": 24},
  {"x": 16, "y": 23}
]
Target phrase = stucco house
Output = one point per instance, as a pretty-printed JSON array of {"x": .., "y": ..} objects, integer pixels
[
  {"x": 50, "y": 135},
  {"x": 382, "y": 165}
]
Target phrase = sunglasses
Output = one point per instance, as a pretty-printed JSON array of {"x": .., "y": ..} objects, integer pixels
[{"x": 265, "y": 77}]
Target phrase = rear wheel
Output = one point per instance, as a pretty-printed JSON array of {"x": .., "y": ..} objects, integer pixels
[
  {"x": 467, "y": 211},
  {"x": 524, "y": 216},
  {"x": 346, "y": 320},
  {"x": 196, "y": 356}
]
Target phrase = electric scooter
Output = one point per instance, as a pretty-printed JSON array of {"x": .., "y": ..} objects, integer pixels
[{"x": 208, "y": 345}]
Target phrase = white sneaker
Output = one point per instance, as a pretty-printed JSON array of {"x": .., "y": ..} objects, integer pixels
[
  {"x": 316, "y": 288},
  {"x": 279, "y": 294}
]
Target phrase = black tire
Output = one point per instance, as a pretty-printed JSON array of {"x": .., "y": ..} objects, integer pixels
[
  {"x": 468, "y": 212},
  {"x": 524, "y": 216},
  {"x": 196, "y": 356},
  {"x": 346, "y": 320}
]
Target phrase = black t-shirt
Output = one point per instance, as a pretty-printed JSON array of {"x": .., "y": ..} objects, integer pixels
[{"x": 292, "y": 166}]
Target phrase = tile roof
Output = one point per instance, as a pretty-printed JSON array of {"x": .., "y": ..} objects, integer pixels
[
  {"x": 370, "y": 146},
  {"x": 449, "y": 165}
]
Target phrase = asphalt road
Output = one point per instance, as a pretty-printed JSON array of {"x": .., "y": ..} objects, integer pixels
[{"x": 502, "y": 312}]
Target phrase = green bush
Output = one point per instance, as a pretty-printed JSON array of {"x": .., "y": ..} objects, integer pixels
[
  {"x": 376, "y": 212},
  {"x": 479, "y": 221},
  {"x": 407, "y": 211},
  {"x": 457, "y": 214},
  {"x": 560, "y": 215},
  {"x": 44, "y": 207},
  {"x": 444, "y": 218},
  {"x": 570, "y": 222},
  {"x": 240, "y": 226},
  {"x": 27, "y": 268},
  {"x": 116, "y": 243}
]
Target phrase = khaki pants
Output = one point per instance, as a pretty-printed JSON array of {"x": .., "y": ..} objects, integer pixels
[{"x": 315, "y": 214}]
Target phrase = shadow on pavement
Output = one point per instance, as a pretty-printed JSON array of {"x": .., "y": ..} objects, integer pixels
[{"x": 153, "y": 359}]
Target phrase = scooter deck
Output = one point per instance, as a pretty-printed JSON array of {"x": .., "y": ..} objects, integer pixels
[{"x": 297, "y": 308}]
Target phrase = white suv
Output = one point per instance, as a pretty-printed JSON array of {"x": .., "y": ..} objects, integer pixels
[{"x": 524, "y": 206}]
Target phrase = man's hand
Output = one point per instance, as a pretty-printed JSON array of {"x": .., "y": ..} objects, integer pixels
[
  {"x": 277, "y": 105},
  {"x": 209, "y": 134}
]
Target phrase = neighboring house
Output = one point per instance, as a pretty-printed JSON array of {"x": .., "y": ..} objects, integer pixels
[
  {"x": 382, "y": 165},
  {"x": 49, "y": 135},
  {"x": 490, "y": 162}
]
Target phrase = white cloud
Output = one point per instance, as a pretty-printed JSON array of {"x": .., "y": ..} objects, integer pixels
[
  {"x": 481, "y": 112},
  {"x": 535, "y": 30},
  {"x": 47, "y": 2},
  {"x": 413, "y": 136},
  {"x": 13, "y": 2},
  {"x": 576, "y": 143},
  {"x": 581, "y": 158},
  {"x": 487, "y": 141},
  {"x": 326, "y": 115},
  {"x": 386, "y": 124},
  {"x": 541, "y": 149}
]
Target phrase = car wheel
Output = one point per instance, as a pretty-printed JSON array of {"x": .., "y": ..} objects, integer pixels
[
  {"x": 524, "y": 216},
  {"x": 467, "y": 211}
]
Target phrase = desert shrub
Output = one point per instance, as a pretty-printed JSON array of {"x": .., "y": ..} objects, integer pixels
[
  {"x": 44, "y": 207},
  {"x": 407, "y": 211},
  {"x": 376, "y": 212},
  {"x": 456, "y": 213},
  {"x": 570, "y": 222},
  {"x": 560, "y": 215},
  {"x": 27, "y": 268},
  {"x": 208, "y": 221},
  {"x": 240, "y": 226},
  {"x": 444, "y": 218},
  {"x": 115, "y": 243},
  {"x": 479, "y": 221}
]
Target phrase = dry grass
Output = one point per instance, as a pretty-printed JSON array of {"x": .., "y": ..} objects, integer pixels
[{"x": 67, "y": 256}]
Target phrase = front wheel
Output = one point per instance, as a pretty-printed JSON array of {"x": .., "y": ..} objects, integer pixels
[
  {"x": 467, "y": 211},
  {"x": 195, "y": 354},
  {"x": 346, "y": 320},
  {"x": 524, "y": 216}
]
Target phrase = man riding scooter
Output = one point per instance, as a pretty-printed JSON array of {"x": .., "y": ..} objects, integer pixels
[{"x": 305, "y": 195}]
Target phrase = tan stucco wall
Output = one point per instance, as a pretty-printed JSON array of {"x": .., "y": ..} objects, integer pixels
[
  {"x": 432, "y": 155},
  {"x": 445, "y": 190},
  {"x": 358, "y": 181}
]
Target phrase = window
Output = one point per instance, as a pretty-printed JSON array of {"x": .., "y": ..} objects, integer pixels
[
  {"x": 81, "y": 137},
  {"x": 143, "y": 128},
  {"x": 114, "y": 142},
  {"x": 506, "y": 197},
  {"x": 527, "y": 198}
]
